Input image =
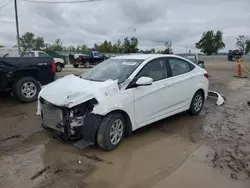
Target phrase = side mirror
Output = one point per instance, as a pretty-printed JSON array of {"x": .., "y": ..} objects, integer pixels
[{"x": 144, "y": 81}]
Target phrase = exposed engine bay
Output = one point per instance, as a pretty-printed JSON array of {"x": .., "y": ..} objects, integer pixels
[{"x": 67, "y": 123}]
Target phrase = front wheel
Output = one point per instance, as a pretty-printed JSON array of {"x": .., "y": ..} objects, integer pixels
[
  {"x": 197, "y": 103},
  {"x": 87, "y": 64},
  {"x": 26, "y": 89},
  {"x": 111, "y": 131}
]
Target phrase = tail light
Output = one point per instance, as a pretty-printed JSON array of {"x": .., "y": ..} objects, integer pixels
[
  {"x": 53, "y": 66},
  {"x": 206, "y": 75}
]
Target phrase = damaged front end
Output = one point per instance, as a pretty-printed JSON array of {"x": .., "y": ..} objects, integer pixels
[{"x": 74, "y": 123}]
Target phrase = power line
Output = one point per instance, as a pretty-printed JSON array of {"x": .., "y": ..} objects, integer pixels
[
  {"x": 5, "y": 4},
  {"x": 9, "y": 8},
  {"x": 61, "y": 2}
]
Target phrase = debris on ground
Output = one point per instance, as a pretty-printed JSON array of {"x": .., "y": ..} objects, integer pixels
[
  {"x": 14, "y": 136},
  {"x": 11, "y": 137},
  {"x": 95, "y": 158},
  {"x": 220, "y": 98},
  {"x": 39, "y": 173}
]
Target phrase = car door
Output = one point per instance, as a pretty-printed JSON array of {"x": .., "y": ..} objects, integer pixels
[
  {"x": 150, "y": 101},
  {"x": 181, "y": 83}
]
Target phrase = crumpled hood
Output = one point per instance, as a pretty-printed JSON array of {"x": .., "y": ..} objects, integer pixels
[{"x": 71, "y": 90}]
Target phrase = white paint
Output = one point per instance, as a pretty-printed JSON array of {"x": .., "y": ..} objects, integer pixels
[
  {"x": 143, "y": 104},
  {"x": 38, "y": 54},
  {"x": 144, "y": 81},
  {"x": 220, "y": 98}
]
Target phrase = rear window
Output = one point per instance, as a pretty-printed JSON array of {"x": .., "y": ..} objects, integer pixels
[{"x": 190, "y": 57}]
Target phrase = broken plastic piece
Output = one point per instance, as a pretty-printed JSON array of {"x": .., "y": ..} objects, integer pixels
[{"x": 221, "y": 99}]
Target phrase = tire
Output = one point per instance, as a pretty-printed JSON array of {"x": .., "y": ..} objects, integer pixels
[
  {"x": 58, "y": 67},
  {"x": 196, "y": 103},
  {"x": 26, "y": 89},
  {"x": 104, "y": 138},
  {"x": 87, "y": 64},
  {"x": 75, "y": 65}
]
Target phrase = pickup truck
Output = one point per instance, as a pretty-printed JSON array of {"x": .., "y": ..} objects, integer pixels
[
  {"x": 195, "y": 58},
  {"x": 23, "y": 76},
  {"x": 59, "y": 62},
  {"x": 87, "y": 59}
]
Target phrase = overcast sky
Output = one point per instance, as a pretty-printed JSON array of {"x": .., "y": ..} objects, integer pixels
[{"x": 151, "y": 21}]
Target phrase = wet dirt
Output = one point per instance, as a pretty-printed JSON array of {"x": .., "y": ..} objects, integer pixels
[{"x": 209, "y": 150}]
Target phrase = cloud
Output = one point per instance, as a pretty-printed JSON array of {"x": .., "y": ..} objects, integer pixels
[{"x": 152, "y": 22}]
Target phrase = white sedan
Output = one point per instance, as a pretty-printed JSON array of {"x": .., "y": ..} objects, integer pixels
[{"x": 120, "y": 95}]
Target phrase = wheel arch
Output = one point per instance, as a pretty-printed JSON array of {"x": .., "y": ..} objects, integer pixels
[
  {"x": 128, "y": 123},
  {"x": 202, "y": 91},
  {"x": 25, "y": 73}
]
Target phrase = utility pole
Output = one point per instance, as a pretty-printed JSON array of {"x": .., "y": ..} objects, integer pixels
[{"x": 17, "y": 29}]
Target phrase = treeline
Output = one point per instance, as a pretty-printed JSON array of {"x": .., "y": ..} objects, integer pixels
[{"x": 210, "y": 43}]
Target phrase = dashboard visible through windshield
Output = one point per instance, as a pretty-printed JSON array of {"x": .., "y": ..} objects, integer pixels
[{"x": 114, "y": 69}]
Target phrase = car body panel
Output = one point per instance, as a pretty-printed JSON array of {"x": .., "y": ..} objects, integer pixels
[
  {"x": 143, "y": 104},
  {"x": 39, "y": 67}
]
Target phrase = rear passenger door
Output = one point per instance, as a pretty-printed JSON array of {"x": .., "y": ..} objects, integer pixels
[{"x": 181, "y": 83}]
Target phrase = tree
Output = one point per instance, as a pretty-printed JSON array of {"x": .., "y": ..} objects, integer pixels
[
  {"x": 1, "y": 46},
  {"x": 247, "y": 50},
  {"x": 29, "y": 42},
  {"x": 39, "y": 43},
  {"x": 210, "y": 43},
  {"x": 130, "y": 45},
  {"x": 243, "y": 44},
  {"x": 56, "y": 46},
  {"x": 168, "y": 49}
]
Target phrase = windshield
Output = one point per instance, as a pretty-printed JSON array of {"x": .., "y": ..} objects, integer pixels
[
  {"x": 190, "y": 57},
  {"x": 112, "y": 69}
]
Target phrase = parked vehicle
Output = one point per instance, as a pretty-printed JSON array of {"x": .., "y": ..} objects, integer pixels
[
  {"x": 194, "y": 57},
  {"x": 24, "y": 76},
  {"x": 234, "y": 54},
  {"x": 87, "y": 59},
  {"x": 120, "y": 95},
  {"x": 60, "y": 63}
]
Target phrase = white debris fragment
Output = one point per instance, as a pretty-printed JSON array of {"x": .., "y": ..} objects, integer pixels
[{"x": 220, "y": 98}]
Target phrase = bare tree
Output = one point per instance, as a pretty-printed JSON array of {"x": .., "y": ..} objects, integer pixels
[{"x": 241, "y": 43}]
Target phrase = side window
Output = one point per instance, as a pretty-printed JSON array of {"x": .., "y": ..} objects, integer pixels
[
  {"x": 179, "y": 66},
  {"x": 95, "y": 54},
  {"x": 155, "y": 69},
  {"x": 41, "y": 54}
]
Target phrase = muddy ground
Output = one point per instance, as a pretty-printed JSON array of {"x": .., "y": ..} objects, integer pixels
[{"x": 209, "y": 150}]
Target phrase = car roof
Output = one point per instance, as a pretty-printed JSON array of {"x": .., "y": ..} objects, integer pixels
[
  {"x": 185, "y": 53},
  {"x": 143, "y": 56}
]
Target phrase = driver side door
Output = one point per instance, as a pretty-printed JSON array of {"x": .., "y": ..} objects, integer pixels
[{"x": 150, "y": 100}]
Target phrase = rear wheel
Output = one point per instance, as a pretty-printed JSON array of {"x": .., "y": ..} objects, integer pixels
[
  {"x": 111, "y": 131},
  {"x": 26, "y": 89},
  {"x": 58, "y": 67},
  {"x": 196, "y": 104}
]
